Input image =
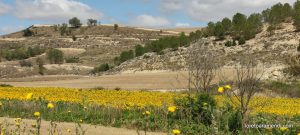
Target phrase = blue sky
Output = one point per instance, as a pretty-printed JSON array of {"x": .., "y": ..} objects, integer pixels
[{"x": 19, "y": 14}]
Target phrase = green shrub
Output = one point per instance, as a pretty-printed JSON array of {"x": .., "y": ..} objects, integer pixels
[
  {"x": 241, "y": 41},
  {"x": 235, "y": 122},
  {"x": 101, "y": 68},
  {"x": 27, "y": 33},
  {"x": 139, "y": 50},
  {"x": 55, "y": 56},
  {"x": 72, "y": 60},
  {"x": 199, "y": 108},
  {"x": 228, "y": 43},
  {"x": 6, "y": 85},
  {"x": 24, "y": 63}
]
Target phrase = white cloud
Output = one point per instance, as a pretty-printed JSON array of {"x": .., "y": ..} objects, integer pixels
[
  {"x": 150, "y": 21},
  {"x": 4, "y": 8},
  {"x": 54, "y": 10},
  {"x": 10, "y": 29},
  {"x": 213, "y": 10},
  {"x": 182, "y": 25}
]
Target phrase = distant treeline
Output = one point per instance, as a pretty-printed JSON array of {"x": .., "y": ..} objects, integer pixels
[{"x": 159, "y": 45}]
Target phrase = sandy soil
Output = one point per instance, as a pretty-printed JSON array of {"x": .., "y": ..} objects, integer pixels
[
  {"x": 126, "y": 81},
  {"x": 63, "y": 127}
]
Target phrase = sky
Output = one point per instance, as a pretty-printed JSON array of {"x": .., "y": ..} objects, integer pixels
[{"x": 16, "y": 15}]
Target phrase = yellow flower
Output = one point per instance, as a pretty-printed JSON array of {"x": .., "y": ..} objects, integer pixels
[
  {"x": 172, "y": 109},
  {"x": 18, "y": 121},
  {"x": 221, "y": 89},
  {"x": 205, "y": 104},
  {"x": 227, "y": 87},
  {"x": 29, "y": 96},
  {"x": 50, "y": 106},
  {"x": 69, "y": 111},
  {"x": 176, "y": 131},
  {"x": 283, "y": 129},
  {"x": 37, "y": 114},
  {"x": 81, "y": 120},
  {"x": 298, "y": 133},
  {"x": 146, "y": 113},
  {"x": 69, "y": 130}
]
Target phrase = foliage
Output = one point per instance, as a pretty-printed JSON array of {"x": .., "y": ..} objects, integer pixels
[
  {"x": 219, "y": 30},
  {"x": 22, "y": 53},
  {"x": 41, "y": 63},
  {"x": 25, "y": 63},
  {"x": 6, "y": 85},
  {"x": 239, "y": 22},
  {"x": 229, "y": 43},
  {"x": 72, "y": 60},
  {"x": 55, "y": 56},
  {"x": 297, "y": 15},
  {"x": 226, "y": 23},
  {"x": 27, "y": 33},
  {"x": 139, "y": 50},
  {"x": 75, "y": 22},
  {"x": 235, "y": 122},
  {"x": 101, "y": 68},
  {"x": 92, "y": 22},
  {"x": 116, "y": 26},
  {"x": 241, "y": 40}
]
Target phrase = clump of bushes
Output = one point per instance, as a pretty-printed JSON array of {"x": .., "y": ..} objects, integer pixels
[
  {"x": 27, "y": 33},
  {"x": 72, "y": 60},
  {"x": 25, "y": 63},
  {"x": 101, "y": 68},
  {"x": 6, "y": 85},
  {"x": 55, "y": 56},
  {"x": 21, "y": 53}
]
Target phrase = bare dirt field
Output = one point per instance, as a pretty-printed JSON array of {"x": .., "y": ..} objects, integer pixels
[
  {"x": 90, "y": 129},
  {"x": 125, "y": 81}
]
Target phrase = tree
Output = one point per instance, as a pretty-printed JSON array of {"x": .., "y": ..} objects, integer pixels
[
  {"x": 287, "y": 10},
  {"x": 219, "y": 30},
  {"x": 276, "y": 14},
  {"x": 116, "y": 26},
  {"x": 210, "y": 30},
  {"x": 202, "y": 66},
  {"x": 139, "y": 50},
  {"x": 75, "y": 22},
  {"x": 297, "y": 15},
  {"x": 266, "y": 15},
  {"x": 64, "y": 30},
  {"x": 226, "y": 23},
  {"x": 55, "y": 56},
  {"x": 253, "y": 26},
  {"x": 92, "y": 22},
  {"x": 239, "y": 23}
]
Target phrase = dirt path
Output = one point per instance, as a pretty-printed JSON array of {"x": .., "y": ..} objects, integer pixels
[
  {"x": 129, "y": 81},
  {"x": 63, "y": 128}
]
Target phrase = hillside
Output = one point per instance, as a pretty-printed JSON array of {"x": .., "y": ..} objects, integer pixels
[
  {"x": 272, "y": 50},
  {"x": 98, "y": 45}
]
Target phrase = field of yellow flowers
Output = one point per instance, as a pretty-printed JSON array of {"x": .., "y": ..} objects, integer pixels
[{"x": 141, "y": 99}]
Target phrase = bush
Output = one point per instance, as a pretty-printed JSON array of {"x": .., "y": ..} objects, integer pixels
[
  {"x": 75, "y": 22},
  {"x": 139, "y": 50},
  {"x": 74, "y": 38},
  {"x": 72, "y": 60},
  {"x": 25, "y": 63},
  {"x": 228, "y": 43},
  {"x": 199, "y": 108},
  {"x": 298, "y": 48},
  {"x": 55, "y": 56},
  {"x": 27, "y": 33},
  {"x": 101, "y": 68},
  {"x": 235, "y": 122},
  {"x": 241, "y": 41},
  {"x": 6, "y": 85}
]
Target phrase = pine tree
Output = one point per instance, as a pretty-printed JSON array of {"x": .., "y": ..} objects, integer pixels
[
  {"x": 297, "y": 15},
  {"x": 226, "y": 23}
]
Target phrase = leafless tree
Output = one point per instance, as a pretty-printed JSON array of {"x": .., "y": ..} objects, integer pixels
[
  {"x": 202, "y": 66},
  {"x": 248, "y": 75}
]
